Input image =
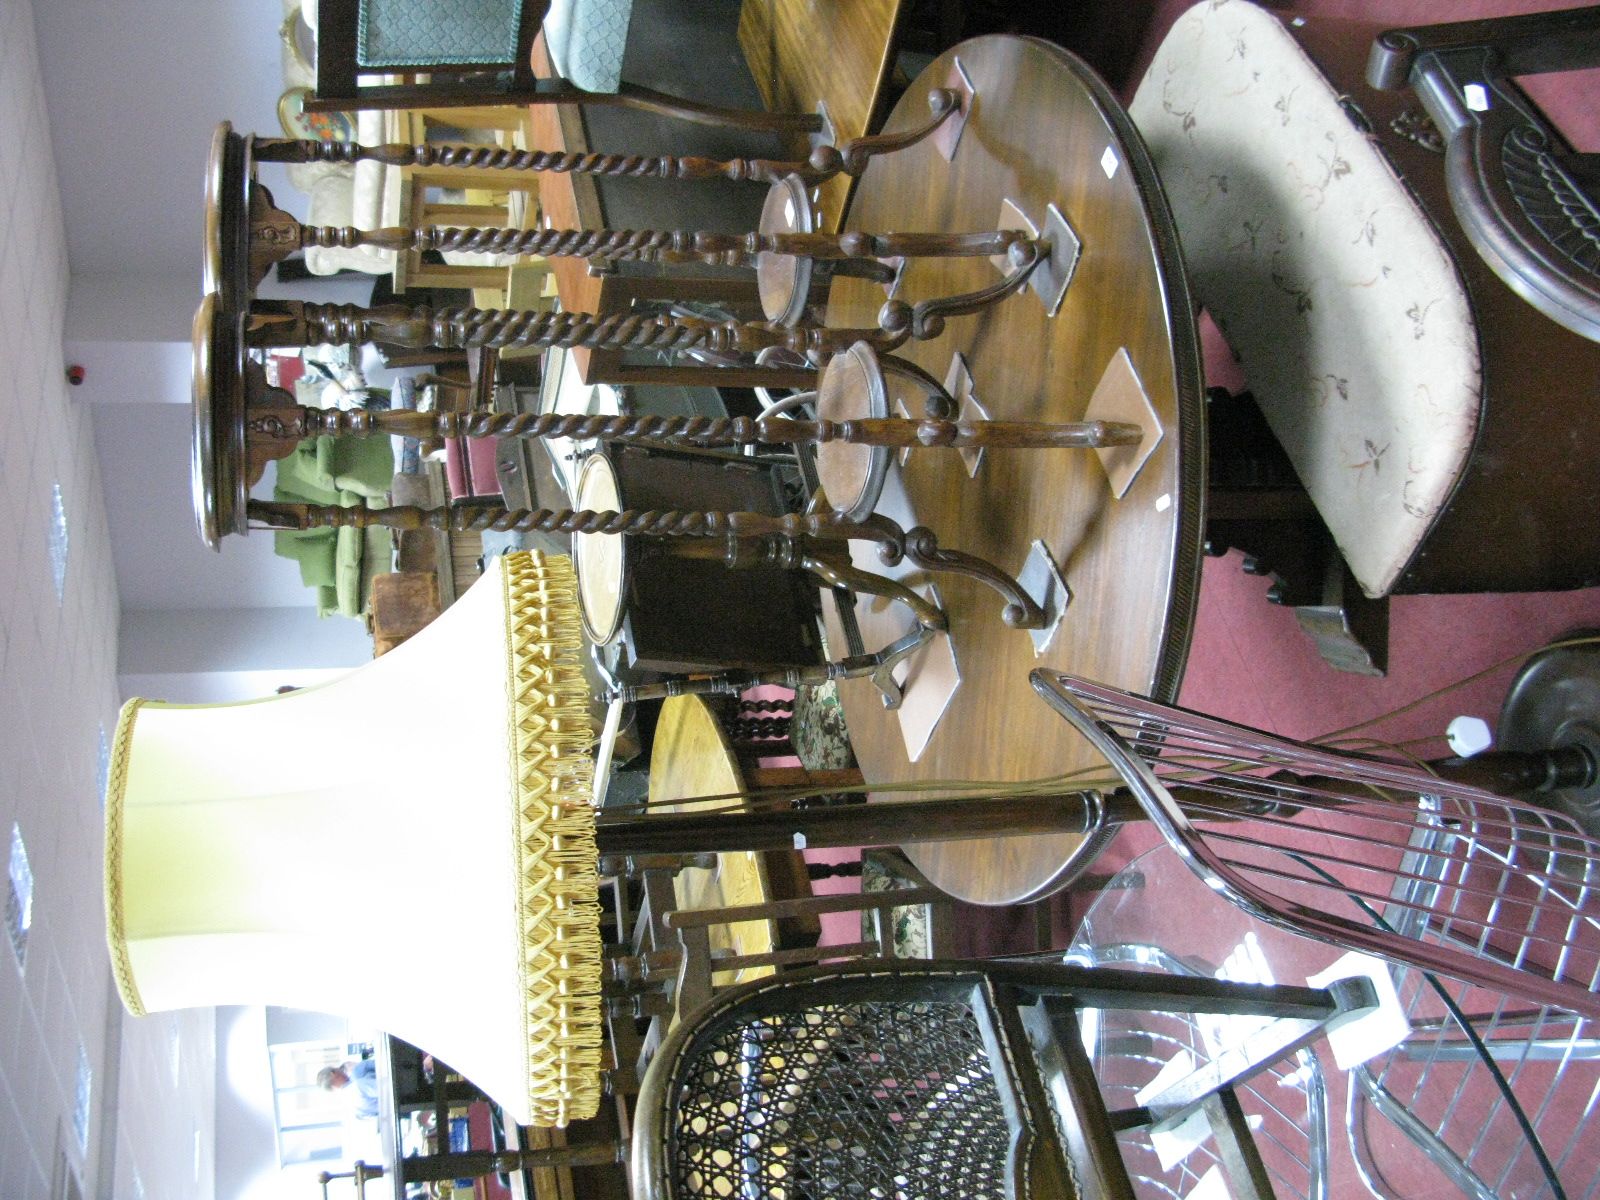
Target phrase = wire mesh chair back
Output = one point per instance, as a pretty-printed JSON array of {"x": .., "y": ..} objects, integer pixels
[
  {"x": 1505, "y": 891},
  {"x": 1497, "y": 1094}
]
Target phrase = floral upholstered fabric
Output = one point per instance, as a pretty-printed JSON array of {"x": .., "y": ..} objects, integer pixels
[{"x": 1338, "y": 295}]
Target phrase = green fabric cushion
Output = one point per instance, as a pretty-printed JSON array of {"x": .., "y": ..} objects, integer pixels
[
  {"x": 313, "y": 549},
  {"x": 363, "y": 465},
  {"x": 338, "y": 563},
  {"x": 322, "y": 467}
]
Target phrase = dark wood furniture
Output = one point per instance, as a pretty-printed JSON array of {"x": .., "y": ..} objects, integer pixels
[
  {"x": 1044, "y": 131},
  {"x": 675, "y": 614},
  {"x": 942, "y": 1079},
  {"x": 1525, "y": 199},
  {"x": 780, "y": 39},
  {"x": 342, "y": 62},
  {"x": 401, "y": 604},
  {"x": 404, "y": 1089}
]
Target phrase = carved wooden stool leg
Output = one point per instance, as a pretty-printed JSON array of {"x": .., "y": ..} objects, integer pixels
[
  {"x": 823, "y": 164},
  {"x": 756, "y": 729},
  {"x": 273, "y": 415},
  {"x": 292, "y": 322}
]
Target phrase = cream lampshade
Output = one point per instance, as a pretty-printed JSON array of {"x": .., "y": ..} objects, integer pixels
[{"x": 411, "y": 845}]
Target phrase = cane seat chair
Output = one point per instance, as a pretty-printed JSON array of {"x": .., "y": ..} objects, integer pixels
[{"x": 941, "y": 1079}]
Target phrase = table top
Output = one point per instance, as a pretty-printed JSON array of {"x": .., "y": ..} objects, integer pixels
[
  {"x": 691, "y": 757},
  {"x": 1043, "y": 130},
  {"x": 566, "y": 201},
  {"x": 832, "y": 52}
]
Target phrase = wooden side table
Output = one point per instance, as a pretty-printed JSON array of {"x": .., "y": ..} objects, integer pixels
[{"x": 1044, "y": 131}]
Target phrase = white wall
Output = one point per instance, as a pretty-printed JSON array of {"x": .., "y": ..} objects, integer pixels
[
  {"x": 134, "y": 91},
  {"x": 161, "y": 562},
  {"x": 280, "y": 639},
  {"x": 247, "y": 1148},
  {"x": 217, "y": 687}
]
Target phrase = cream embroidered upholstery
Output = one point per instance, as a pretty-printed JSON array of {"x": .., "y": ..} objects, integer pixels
[{"x": 1343, "y": 304}]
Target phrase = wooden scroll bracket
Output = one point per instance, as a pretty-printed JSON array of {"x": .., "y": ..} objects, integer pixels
[
  {"x": 925, "y": 319},
  {"x": 1061, "y": 247}
]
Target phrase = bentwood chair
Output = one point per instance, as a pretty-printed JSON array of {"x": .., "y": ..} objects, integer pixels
[
  {"x": 479, "y": 53},
  {"x": 1333, "y": 230},
  {"x": 939, "y": 1080}
]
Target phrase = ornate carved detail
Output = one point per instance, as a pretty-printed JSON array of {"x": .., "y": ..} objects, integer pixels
[
  {"x": 277, "y": 424},
  {"x": 1415, "y": 125},
  {"x": 274, "y": 234},
  {"x": 274, "y": 424},
  {"x": 1550, "y": 198}
]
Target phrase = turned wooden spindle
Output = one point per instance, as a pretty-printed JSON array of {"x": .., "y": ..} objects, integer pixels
[
  {"x": 918, "y": 545},
  {"x": 479, "y": 516},
  {"x": 850, "y": 158},
  {"x": 295, "y": 422},
  {"x": 295, "y": 322},
  {"x": 642, "y": 245}
]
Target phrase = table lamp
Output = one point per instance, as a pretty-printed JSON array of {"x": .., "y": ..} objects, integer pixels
[{"x": 438, "y": 883}]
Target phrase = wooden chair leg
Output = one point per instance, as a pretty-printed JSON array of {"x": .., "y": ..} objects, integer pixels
[{"x": 1256, "y": 505}]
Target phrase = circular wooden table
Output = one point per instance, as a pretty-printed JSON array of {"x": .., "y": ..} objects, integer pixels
[
  {"x": 1043, "y": 130},
  {"x": 691, "y": 757}
]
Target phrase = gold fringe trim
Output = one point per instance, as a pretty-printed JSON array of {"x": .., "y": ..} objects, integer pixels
[
  {"x": 116, "y": 927},
  {"x": 558, "y": 877}
]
